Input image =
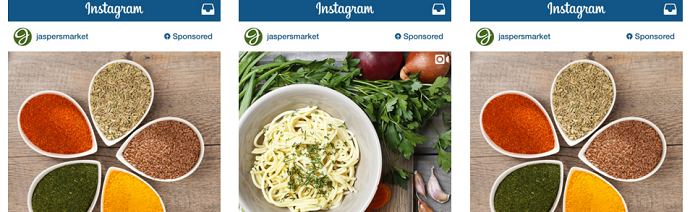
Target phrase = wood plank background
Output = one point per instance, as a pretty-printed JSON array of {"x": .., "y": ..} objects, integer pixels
[
  {"x": 648, "y": 85},
  {"x": 424, "y": 156},
  {"x": 187, "y": 85}
]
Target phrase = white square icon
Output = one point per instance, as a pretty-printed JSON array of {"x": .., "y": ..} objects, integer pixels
[
  {"x": 438, "y": 9},
  {"x": 207, "y": 9},
  {"x": 670, "y": 9}
]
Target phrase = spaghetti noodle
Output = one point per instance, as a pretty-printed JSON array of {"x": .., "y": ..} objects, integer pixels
[{"x": 307, "y": 160}]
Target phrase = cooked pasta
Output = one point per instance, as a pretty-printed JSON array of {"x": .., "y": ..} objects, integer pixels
[{"x": 307, "y": 160}]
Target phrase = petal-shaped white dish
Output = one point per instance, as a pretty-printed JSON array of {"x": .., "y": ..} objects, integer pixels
[
  {"x": 582, "y": 157},
  {"x": 114, "y": 141},
  {"x": 40, "y": 176},
  {"x": 105, "y": 181},
  {"x": 124, "y": 145},
  {"x": 565, "y": 196},
  {"x": 94, "y": 146},
  {"x": 518, "y": 155},
  {"x": 511, "y": 169},
  {"x": 613, "y": 83}
]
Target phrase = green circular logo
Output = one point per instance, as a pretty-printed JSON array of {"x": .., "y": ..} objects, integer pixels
[
  {"x": 485, "y": 36},
  {"x": 22, "y": 36},
  {"x": 253, "y": 36}
]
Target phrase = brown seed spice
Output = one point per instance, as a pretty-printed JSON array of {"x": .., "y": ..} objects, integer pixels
[
  {"x": 164, "y": 150},
  {"x": 626, "y": 150},
  {"x": 582, "y": 96}
]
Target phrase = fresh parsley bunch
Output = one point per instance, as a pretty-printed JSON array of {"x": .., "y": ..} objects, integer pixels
[{"x": 397, "y": 108}]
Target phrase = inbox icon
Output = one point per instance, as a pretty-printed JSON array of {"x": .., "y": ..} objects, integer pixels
[
  {"x": 207, "y": 9},
  {"x": 670, "y": 9},
  {"x": 438, "y": 9}
]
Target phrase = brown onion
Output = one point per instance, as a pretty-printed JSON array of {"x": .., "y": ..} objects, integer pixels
[{"x": 431, "y": 64}]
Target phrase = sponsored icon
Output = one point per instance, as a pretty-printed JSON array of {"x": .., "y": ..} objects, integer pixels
[
  {"x": 22, "y": 36},
  {"x": 485, "y": 36},
  {"x": 629, "y": 36},
  {"x": 167, "y": 36},
  {"x": 253, "y": 36}
]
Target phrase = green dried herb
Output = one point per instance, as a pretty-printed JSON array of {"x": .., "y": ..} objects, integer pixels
[
  {"x": 582, "y": 95},
  {"x": 68, "y": 188},
  {"x": 530, "y": 188},
  {"x": 120, "y": 96}
]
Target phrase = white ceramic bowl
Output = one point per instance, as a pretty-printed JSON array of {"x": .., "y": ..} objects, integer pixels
[
  {"x": 565, "y": 196},
  {"x": 339, "y": 106},
  {"x": 613, "y": 83},
  {"x": 124, "y": 145},
  {"x": 114, "y": 141},
  {"x": 50, "y": 169},
  {"x": 511, "y": 169},
  {"x": 556, "y": 147},
  {"x": 122, "y": 170},
  {"x": 582, "y": 157},
  {"x": 94, "y": 146}
]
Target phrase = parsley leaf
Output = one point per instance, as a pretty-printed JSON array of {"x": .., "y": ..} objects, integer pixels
[
  {"x": 391, "y": 102},
  {"x": 443, "y": 160},
  {"x": 416, "y": 86},
  {"x": 410, "y": 141},
  {"x": 446, "y": 120},
  {"x": 444, "y": 139},
  {"x": 399, "y": 180},
  {"x": 438, "y": 84}
]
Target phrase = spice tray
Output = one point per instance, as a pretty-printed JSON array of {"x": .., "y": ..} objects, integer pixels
[
  {"x": 518, "y": 155},
  {"x": 565, "y": 197},
  {"x": 50, "y": 169},
  {"x": 124, "y": 145},
  {"x": 613, "y": 83},
  {"x": 114, "y": 141},
  {"x": 511, "y": 169},
  {"x": 125, "y": 171},
  {"x": 94, "y": 146},
  {"x": 582, "y": 157}
]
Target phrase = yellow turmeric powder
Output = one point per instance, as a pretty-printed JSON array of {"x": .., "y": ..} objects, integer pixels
[
  {"x": 587, "y": 192},
  {"x": 125, "y": 192}
]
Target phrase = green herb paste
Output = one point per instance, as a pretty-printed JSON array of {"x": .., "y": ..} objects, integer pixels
[
  {"x": 531, "y": 188},
  {"x": 68, "y": 188}
]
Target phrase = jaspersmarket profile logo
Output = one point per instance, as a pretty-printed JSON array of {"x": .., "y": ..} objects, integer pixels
[
  {"x": 253, "y": 36},
  {"x": 485, "y": 36},
  {"x": 22, "y": 36}
]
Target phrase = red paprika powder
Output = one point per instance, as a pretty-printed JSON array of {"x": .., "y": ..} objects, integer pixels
[
  {"x": 518, "y": 125},
  {"x": 54, "y": 124}
]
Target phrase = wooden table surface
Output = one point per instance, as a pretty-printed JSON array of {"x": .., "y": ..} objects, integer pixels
[
  {"x": 648, "y": 85},
  {"x": 187, "y": 85},
  {"x": 422, "y": 160}
]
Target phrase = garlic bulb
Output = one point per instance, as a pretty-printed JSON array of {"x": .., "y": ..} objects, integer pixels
[{"x": 435, "y": 190}]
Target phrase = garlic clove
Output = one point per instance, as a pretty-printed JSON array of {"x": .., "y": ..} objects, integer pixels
[
  {"x": 435, "y": 190},
  {"x": 422, "y": 206},
  {"x": 419, "y": 184}
]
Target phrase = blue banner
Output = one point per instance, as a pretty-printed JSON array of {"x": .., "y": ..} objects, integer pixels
[
  {"x": 346, "y": 10},
  {"x": 113, "y": 10},
  {"x": 585, "y": 10}
]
